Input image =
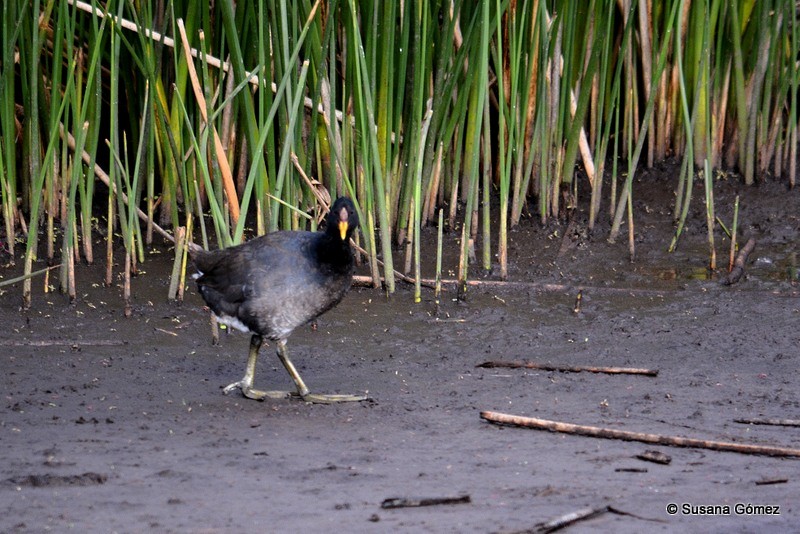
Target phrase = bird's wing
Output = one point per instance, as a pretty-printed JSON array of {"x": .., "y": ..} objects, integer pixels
[{"x": 234, "y": 272}]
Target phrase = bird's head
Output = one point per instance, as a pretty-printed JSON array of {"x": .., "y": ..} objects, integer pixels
[{"x": 343, "y": 217}]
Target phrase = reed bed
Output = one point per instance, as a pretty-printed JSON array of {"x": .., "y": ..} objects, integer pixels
[{"x": 214, "y": 122}]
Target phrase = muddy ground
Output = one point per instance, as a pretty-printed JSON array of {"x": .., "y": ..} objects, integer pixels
[{"x": 111, "y": 424}]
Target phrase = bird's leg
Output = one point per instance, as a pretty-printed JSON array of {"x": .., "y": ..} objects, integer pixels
[
  {"x": 246, "y": 383},
  {"x": 302, "y": 389}
]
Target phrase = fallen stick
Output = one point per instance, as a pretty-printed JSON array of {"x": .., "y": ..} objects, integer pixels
[
  {"x": 368, "y": 281},
  {"x": 599, "y": 432},
  {"x": 48, "y": 480},
  {"x": 656, "y": 457},
  {"x": 402, "y": 502},
  {"x": 583, "y": 514},
  {"x": 569, "y": 519},
  {"x": 360, "y": 280},
  {"x": 767, "y": 482},
  {"x": 775, "y": 422},
  {"x": 568, "y": 368},
  {"x": 544, "y": 286},
  {"x": 166, "y": 332},
  {"x": 58, "y": 343},
  {"x": 738, "y": 266},
  {"x": 511, "y": 285}
]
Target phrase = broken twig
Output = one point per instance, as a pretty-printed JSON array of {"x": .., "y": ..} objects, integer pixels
[
  {"x": 738, "y": 266},
  {"x": 570, "y": 519},
  {"x": 655, "y": 456},
  {"x": 774, "y": 422},
  {"x": 609, "y": 433},
  {"x": 166, "y": 331},
  {"x": 402, "y": 502},
  {"x": 511, "y": 285},
  {"x": 580, "y": 515},
  {"x": 61, "y": 342},
  {"x": 568, "y": 368},
  {"x": 769, "y": 481}
]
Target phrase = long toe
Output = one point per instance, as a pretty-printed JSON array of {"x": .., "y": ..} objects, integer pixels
[
  {"x": 331, "y": 399},
  {"x": 236, "y": 385},
  {"x": 259, "y": 395},
  {"x": 255, "y": 394}
]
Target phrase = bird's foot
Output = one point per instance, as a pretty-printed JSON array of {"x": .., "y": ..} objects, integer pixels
[
  {"x": 256, "y": 394},
  {"x": 251, "y": 393}
]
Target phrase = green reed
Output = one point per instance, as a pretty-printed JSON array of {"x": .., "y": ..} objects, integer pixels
[{"x": 234, "y": 119}]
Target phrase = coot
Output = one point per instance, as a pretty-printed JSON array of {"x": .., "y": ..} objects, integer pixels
[{"x": 270, "y": 285}]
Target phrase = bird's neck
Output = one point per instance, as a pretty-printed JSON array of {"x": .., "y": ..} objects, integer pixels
[{"x": 335, "y": 252}]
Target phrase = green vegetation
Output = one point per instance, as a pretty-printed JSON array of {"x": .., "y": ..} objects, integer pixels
[{"x": 125, "y": 118}]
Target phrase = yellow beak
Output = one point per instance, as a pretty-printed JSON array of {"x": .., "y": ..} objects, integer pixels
[{"x": 343, "y": 229}]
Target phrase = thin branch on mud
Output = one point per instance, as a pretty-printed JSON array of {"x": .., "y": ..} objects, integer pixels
[
  {"x": 166, "y": 331},
  {"x": 569, "y": 519},
  {"x": 770, "y": 481},
  {"x": 775, "y": 422},
  {"x": 402, "y": 502},
  {"x": 62, "y": 342},
  {"x": 50, "y": 480},
  {"x": 738, "y": 266},
  {"x": 583, "y": 514},
  {"x": 609, "y": 433},
  {"x": 617, "y": 511},
  {"x": 568, "y": 368},
  {"x": 367, "y": 281},
  {"x": 656, "y": 457}
]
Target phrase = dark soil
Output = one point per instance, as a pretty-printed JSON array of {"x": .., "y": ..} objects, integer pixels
[{"x": 114, "y": 424}]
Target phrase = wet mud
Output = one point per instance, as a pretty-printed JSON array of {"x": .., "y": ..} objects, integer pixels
[{"x": 114, "y": 424}]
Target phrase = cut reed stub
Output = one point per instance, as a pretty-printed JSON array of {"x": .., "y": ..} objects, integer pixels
[
  {"x": 738, "y": 266},
  {"x": 578, "y": 301}
]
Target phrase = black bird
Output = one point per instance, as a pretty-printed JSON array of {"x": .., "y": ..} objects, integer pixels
[{"x": 272, "y": 284}]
